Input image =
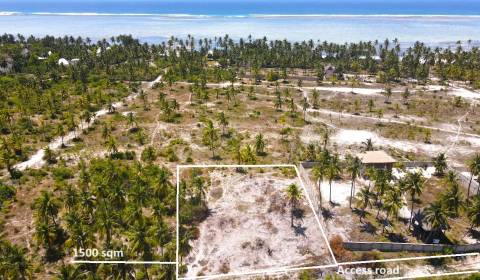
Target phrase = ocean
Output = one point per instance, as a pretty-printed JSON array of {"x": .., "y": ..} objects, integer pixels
[{"x": 436, "y": 22}]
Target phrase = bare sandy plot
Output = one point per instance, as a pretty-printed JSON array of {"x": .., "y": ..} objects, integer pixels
[{"x": 250, "y": 227}]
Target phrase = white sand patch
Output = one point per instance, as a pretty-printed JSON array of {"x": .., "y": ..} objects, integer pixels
[
  {"x": 456, "y": 91},
  {"x": 475, "y": 142},
  {"x": 404, "y": 212},
  {"x": 125, "y": 114},
  {"x": 309, "y": 135},
  {"x": 426, "y": 172},
  {"x": 361, "y": 91},
  {"x": 249, "y": 228},
  {"x": 355, "y": 137},
  {"x": 465, "y": 93},
  {"x": 223, "y": 84},
  {"x": 340, "y": 192}
]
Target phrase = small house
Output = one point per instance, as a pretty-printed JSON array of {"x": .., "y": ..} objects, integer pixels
[{"x": 376, "y": 160}]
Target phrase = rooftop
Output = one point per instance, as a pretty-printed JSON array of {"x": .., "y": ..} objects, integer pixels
[{"x": 376, "y": 157}]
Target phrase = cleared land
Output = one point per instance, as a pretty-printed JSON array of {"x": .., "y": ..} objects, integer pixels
[{"x": 249, "y": 226}]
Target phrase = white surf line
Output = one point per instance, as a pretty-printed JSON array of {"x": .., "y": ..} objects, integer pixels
[
  {"x": 315, "y": 214},
  {"x": 125, "y": 262},
  {"x": 36, "y": 160},
  {"x": 432, "y": 275}
]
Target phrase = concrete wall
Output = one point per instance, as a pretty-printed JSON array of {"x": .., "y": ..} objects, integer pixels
[{"x": 410, "y": 247}]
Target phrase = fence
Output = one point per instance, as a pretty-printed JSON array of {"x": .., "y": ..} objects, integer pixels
[
  {"x": 465, "y": 180},
  {"x": 411, "y": 247},
  {"x": 310, "y": 186}
]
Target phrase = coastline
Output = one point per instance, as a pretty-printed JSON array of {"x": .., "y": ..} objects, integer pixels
[{"x": 266, "y": 16}]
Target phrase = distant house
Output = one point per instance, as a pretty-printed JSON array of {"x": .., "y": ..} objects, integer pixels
[
  {"x": 329, "y": 71},
  {"x": 63, "y": 61},
  {"x": 376, "y": 159}
]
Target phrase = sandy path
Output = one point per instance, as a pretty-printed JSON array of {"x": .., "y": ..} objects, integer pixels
[{"x": 36, "y": 161}]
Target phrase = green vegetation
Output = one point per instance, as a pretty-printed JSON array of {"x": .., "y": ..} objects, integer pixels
[{"x": 121, "y": 196}]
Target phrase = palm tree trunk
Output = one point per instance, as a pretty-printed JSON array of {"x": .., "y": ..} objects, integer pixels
[
  {"x": 351, "y": 193},
  {"x": 330, "y": 183},
  {"x": 469, "y": 185},
  {"x": 411, "y": 212},
  {"x": 320, "y": 193}
]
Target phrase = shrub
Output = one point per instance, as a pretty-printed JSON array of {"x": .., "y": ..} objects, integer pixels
[
  {"x": 6, "y": 193},
  {"x": 336, "y": 243}
]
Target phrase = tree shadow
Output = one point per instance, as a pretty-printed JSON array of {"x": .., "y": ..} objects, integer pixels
[
  {"x": 397, "y": 237},
  {"x": 327, "y": 214},
  {"x": 299, "y": 230},
  {"x": 334, "y": 204},
  {"x": 217, "y": 158},
  {"x": 298, "y": 213},
  {"x": 475, "y": 234},
  {"x": 360, "y": 212},
  {"x": 368, "y": 228}
]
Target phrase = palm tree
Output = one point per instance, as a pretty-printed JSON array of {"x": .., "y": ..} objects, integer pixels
[
  {"x": 319, "y": 173},
  {"x": 47, "y": 207},
  {"x": 49, "y": 156},
  {"x": 112, "y": 146},
  {"x": 392, "y": 203},
  {"x": 315, "y": 96},
  {"x": 131, "y": 121},
  {"x": 61, "y": 132},
  {"x": 414, "y": 184},
  {"x": 474, "y": 168},
  {"x": 140, "y": 237},
  {"x": 368, "y": 145},
  {"x": 210, "y": 136},
  {"x": 305, "y": 106},
  {"x": 14, "y": 262},
  {"x": 354, "y": 165},
  {"x": 437, "y": 216},
  {"x": 259, "y": 144},
  {"x": 365, "y": 199},
  {"x": 247, "y": 155},
  {"x": 453, "y": 198},
  {"x": 69, "y": 272},
  {"x": 222, "y": 119},
  {"x": 440, "y": 163},
  {"x": 333, "y": 170},
  {"x": 294, "y": 194},
  {"x": 473, "y": 213}
]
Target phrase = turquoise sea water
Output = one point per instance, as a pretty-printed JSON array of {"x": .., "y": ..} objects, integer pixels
[{"x": 440, "y": 22}]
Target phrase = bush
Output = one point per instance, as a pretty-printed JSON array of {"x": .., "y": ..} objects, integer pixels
[
  {"x": 62, "y": 173},
  {"x": 336, "y": 243},
  {"x": 6, "y": 193}
]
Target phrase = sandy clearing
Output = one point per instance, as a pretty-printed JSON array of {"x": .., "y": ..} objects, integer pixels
[
  {"x": 448, "y": 128},
  {"x": 355, "y": 137},
  {"x": 456, "y": 91},
  {"x": 256, "y": 206},
  {"x": 340, "y": 192},
  {"x": 361, "y": 91}
]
